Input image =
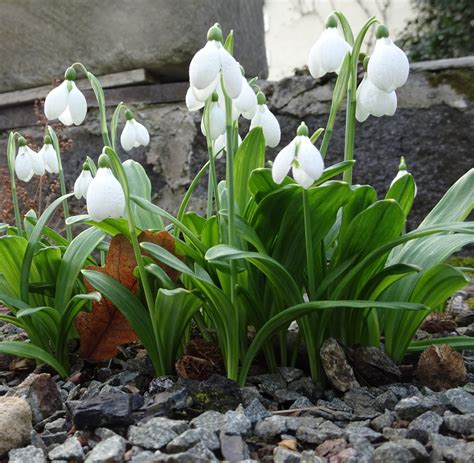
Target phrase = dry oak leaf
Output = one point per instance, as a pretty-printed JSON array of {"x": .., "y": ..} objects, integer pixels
[{"x": 103, "y": 329}]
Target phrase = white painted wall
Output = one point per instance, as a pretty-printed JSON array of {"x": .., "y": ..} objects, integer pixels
[{"x": 292, "y": 26}]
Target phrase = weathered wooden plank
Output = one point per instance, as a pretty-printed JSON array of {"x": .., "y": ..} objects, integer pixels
[
  {"x": 22, "y": 115},
  {"x": 117, "y": 79},
  {"x": 440, "y": 64}
]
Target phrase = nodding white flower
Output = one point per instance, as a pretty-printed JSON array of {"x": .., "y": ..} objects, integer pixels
[
  {"x": 388, "y": 66},
  {"x": 302, "y": 157},
  {"x": 23, "y": 162},
  {"x": 66, "y": 102},
  {"x": 37, "y": 163},
  {"x": 246, "y": 102},
  {"x": 50, "y": 158},
  {"x": 328, "y": 53},
  {"x": 133, "y": 134},
  {"x": 220, "y": 145},
  {"x": 192, "y": 102},
  {"x": 402, "y": 171},
  {"x": 265, "y": 119},
  {"x": 105, "y": 196},
  {"x": 209, "y": 63},
  {"x": 216, "y": 119},
  {"x": 371, "y": 101},
  {"x": 82, "y": 183}
]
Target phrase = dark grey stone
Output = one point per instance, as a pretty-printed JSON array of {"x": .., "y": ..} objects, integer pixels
[
  {"x": 160, "y": 384},
  {"x": 415, "y": 448},
  {"x": 325, "y": 431},
  {"x": 151, "y": 435},
  {"x": 55, "y": 426},
  {"x": 284, "y": 455},
  {"x": 236, "y": 423},
  {"x": 447, "y": 448},
  {"x": 411, "y": 407},
  {"x": 394, "y": 434},
  {"x": 271, "y": 427},
  {"x": 362, "y": 402},
  {"x": 285, "y": 396},
  {"x": 255, "y": 411},
  {"x": 301, "y": 402},
  {"x": 233, "y": 448},
  {"x": 210, "y": 420},
  {"x": 295, "y": 422},
  {"x": 423, "y": 425},
  {"x": 190, "y": 438},
  {"x": 306, "y": 387},
  {"x": 363, "y": 431},
  {"x": 383, "y": 421},
  {"x": 112, "y": 410},
  {"x": 387, "y": 399},
  {"x": 363, "y": 448},
  {"x": 290, "y": 374}
]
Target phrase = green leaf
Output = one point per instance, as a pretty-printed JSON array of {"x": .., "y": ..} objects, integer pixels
[
  {"x": 52, "y": 235},
  {"x": 32, "y": 244},
  {"x": 285, "y": 317},
  {"x": 334, "y": 170},
  {"x": 110, "y": 226},
  {"x": 403, "y": 191},
  {"x": 72, "y": 262},
  {"x": 174, "y": 310},
  {"x": 249, "y": 156},
  {"x": 26, "y": 350},
  {"x": 12, "y": 250},
  {"x": 456, "y": 342},
  {"x": 140, "y": 186}
]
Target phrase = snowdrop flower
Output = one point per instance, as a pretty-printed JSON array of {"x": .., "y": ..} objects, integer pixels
[
  {"x": 246, "y": 102},
  {"x": 209, "y": 63},
  {"x": 216, "y": 119},
  {"x": 192, "y": 103},
  {"x": 302, "y": 157},
  {"x": 220, "y": 145},
  {"x": 373, "y": 101},
  {"x": 402, "y": 171},
  {"x": 82, "y": 183},
  {"x": 328, "y": 53},
  {"x": 23, "y": 162},
  {"x": 105, "y": 196},
  {"x": 267, "y": 121},
  {"x": 388, "y": 66},
  {"x": 66, "y": 102},
  {"x": 133, "y": 134},
  {"x": 48, "y": 154}
]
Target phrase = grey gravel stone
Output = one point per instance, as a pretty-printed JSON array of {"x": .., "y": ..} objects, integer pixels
[
  {"x": 270, "y": 383},
  {"x": 255, "y": 411},
  {"x": 460, "y": 424},
  {"x": 309, "y": 456},
  {"x": 325, "y": 431},
  {"x": 110, "y": 450},
  {"x": 383, "y": 421},
  {"x": 446, "y": 448},
  {"x": 151, "y": 435},
  {"x": 190, "y": 438},
  {"x": 362, "y": 401},
  {"x": 284, "y": 455},
  {"x": 460, "y": 400},
  {"x": 178, "y": 426},
  {"x": 387, "y": 399},
  {"x": 200, "y": 453},
  {"x": 363, "y": 448},
  {"x": 143, "y": 457},
  {"x": 394, "y": 434},
  {"x": 415, "y": 448},
  {"x": 285, "y": 396},
  {"x": 270, "y": 427},
  {"x": 295, "y": 422},
  {"x": 27, "y": 454},
  {"x": 210, "y": 420},
  {"x": 236, "y": 423},
  {"x": 55, "y": 426},
  {"x": 392, "y": 452},
  {"x": 420, "y": 427},
  {"x": 363, "y": 431},
  {"x": 290, "y": 374},
  {"x": 306, "y": 387},
  {"x": 301, "y": 402},
  {"x": 411, "y": 407},
  {"x": 233, "y": 448},
  {"x": 71, "y": 450},
  {"x": 50, "y": 438}
]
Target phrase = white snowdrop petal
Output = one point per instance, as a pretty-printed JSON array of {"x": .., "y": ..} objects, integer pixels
[
  {"x": 361, "y": 113},
  {"x": 388, "y": 66},
  {"x": 375, "y": 101},
  {"x": 77, "y": 105},
  {"x": 127, "y": 137},
  {"x": 105, "y": 197},
  {"x": 246, "y": 102},
  {"x": 331, "y": 50},
  {"x": 56, "y": 101},
  {"x": 66, "y": 117},
  {"x": 231, "y": 73},
  {"x": 143, "y": 137},
  {"x": 205, "y": 66},
  {"x": 282, "y": 163},
  {"x": 23, "y": 166},
  {"x": 37, "y": 163},
  {"x": 310, "y": 159},
  {"x": 50, "y": 158},
  {"x": 204, "y": 94},
  {"x": 302, "y": 178},
  {"x": 192, "y": 103},
  {"x": 216, "y": 121},
  {"x": 314, "y": 65},
  {"x": 271, "y": 128}
]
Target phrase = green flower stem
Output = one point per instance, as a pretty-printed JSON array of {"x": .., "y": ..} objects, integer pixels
[
  {"x": 350, "y": 126},
  {"x": 309, "y": 246},
  {"x": 11, "y": 147},
  {"x": 122, "y": 177},
  {"x": 114, "y": 123},
  {"x": 62, "y": 182},
  {"x": 328, "y": 131}
]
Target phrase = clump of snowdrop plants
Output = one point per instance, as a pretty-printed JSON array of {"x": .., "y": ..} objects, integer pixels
[{"x": 271, "y": 248}]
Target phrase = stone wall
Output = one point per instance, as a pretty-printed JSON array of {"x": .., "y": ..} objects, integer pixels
[{"x": 432, "y": 129}]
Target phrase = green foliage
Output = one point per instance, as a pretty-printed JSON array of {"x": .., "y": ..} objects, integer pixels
[{"x": 441, "y": 29}]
